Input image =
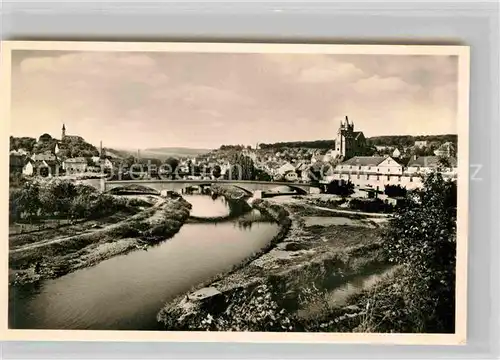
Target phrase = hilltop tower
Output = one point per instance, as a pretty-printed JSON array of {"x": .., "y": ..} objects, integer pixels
[{"x": 63, "y": 132}]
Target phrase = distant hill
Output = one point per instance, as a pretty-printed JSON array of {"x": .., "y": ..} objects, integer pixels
[
  {"x": 165, "y": 152},
  {"x": 116, "y": 154},
  {"x": 394, "y": 140},
  {"x": 316, "y": 144},
  {"x": 409, "y": 140},
  {"x": 68, "y": 147}
]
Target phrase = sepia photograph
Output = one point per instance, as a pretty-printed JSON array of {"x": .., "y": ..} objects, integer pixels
[{"x": 257, "y": 191}]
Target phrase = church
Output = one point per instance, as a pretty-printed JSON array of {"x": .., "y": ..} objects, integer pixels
[
  {"x": 348, "y": 142},
  {"x": 65, "y": 137}
]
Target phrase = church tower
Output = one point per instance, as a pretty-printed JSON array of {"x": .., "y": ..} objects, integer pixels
[
  {"x": 344, "y": 138},
  {"x": 63, "y": 133}
]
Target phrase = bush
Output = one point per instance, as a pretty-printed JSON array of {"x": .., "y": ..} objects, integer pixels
[
  {"x": 249, "y": 310},
  {"x": 372, "y": 205},
  {"x": 421, "y": 239},
  {"x": 395, "y": 191},
  {"x": 340, "y": 187}
]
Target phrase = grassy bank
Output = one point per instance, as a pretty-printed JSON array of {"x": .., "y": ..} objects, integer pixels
[
  {"x": 300, "y": 258},
  {"x": 55, "y": 257}
]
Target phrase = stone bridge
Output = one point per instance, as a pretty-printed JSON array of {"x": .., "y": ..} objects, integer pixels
[{"x": 249, "y": 187}]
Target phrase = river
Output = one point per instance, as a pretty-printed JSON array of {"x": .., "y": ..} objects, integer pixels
[{"x": 126, "y": 292}]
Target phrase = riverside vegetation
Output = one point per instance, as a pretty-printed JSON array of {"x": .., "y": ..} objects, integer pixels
[
  {"x": 85, "y": 227},
  {"x": 291, "y": 285}
]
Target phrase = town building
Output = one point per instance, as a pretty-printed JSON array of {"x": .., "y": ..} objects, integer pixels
[
  {"x": 75, "y": 165},
  {"x": 375, "y": 172},
  {"x": 446, "y": 150},
  {"x": 41, "y": 167},
  {"x": 427, "y": 164},
  {"x": 420, "y": 143},
  {"x": 45, "y": 156}
]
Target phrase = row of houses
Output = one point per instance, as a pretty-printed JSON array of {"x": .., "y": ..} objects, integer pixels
[
  {"x": 48, "y": 164},
  {"x": 368, "y": 171},
  {"x": 375, "y": 172}
]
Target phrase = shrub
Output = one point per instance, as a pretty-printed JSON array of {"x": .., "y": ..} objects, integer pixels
[
  {"x": 249, "y": 310},
  {"x": 395, "y": 191},
  {"x": 371, "y": 205},
  {"x": 421, "y": 239},
  {"x": 340, "y": 187}
]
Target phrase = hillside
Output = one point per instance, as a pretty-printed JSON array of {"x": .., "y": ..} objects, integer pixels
[
  {"x": 70, "y": 147},
  {"x": 26, "y": 143}
]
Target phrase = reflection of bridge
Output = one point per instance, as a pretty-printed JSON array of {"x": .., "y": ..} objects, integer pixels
[{"x": 249, "y": 187}]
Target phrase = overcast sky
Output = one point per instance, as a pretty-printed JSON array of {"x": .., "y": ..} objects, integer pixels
[{"x": 142, "y": 100}]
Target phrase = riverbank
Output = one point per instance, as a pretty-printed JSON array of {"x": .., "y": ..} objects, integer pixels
[
  {"x": 315, "y": 253},
  {"x": 52, "y": 257}
]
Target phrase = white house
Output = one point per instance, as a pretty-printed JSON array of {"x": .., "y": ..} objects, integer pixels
[
  {"x": 291, "y": 176},
  {"x": 106, "y": 163},
  {"x": 420, "y": 143},
  {"x": 287, "y": 167},
  {"x": 29, "y": 168},
  {"x": 41, "y": 167},
  {"x": 371, "y": 164},
  {"x": 369, "y": 172},
  {"x": 330, "y": 155},
  {"x": 396, "y": 153}
]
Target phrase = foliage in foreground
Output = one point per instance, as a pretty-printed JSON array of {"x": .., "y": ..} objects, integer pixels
[
  {"x": 421, "y": 238},
  {"x": 62, "y": 199},
  {"x": 250, "y": 310}
]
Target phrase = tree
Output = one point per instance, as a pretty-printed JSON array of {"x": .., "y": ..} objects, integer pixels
[
  {"x": 395, "y": 191},
  {"x": 444, "y": 163},
  {"x": 48, "y": 200},
  {"x": 340, "y": 187},
  {"x": 27, "y": 200},
  {"x": 262, "y": 175},
  {"x": 171, "y": 165},
  {"x": 422, "y": 238},
  {"x": 242, "y": 168},
  {"x": 216, "y": 171}
]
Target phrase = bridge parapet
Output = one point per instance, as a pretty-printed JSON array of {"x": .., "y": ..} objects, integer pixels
[{"x": 177, "y": 185}]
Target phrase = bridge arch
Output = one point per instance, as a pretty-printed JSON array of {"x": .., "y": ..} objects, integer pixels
[{"x": 299, "y": 190}]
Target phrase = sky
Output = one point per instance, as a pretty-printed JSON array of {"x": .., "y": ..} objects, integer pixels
[{"x": 203, "y": 100}]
